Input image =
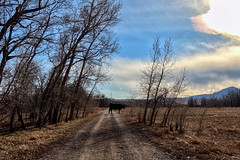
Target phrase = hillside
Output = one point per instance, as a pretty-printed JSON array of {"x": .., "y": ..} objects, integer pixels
[{"x": 218, "y": 94}]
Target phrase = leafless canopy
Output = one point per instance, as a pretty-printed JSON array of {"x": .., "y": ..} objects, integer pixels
[
  {"x": 52, "y": 53},
  {"x": 157, "y": 81}
]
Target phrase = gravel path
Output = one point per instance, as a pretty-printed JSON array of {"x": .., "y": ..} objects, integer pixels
[{"x": 107, "y": 136}]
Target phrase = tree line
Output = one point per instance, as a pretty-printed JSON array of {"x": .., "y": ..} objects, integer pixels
[
  {"x": 232, "y": 99},
  {"x": 52, "y": 57}
]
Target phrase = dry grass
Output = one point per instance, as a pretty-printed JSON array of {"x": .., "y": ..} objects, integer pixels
[
  {"x": 29, "y": 143},
  {"x": 219, "y": 138}
]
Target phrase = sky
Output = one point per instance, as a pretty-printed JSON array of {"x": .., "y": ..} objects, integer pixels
[{"x": 206, "y": 41}]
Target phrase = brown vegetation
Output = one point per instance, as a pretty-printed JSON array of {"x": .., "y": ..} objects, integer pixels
[
  {"x": 219, "y": 137},
  {"x": 30, "y": 143}
]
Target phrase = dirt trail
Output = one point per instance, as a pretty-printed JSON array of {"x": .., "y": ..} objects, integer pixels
[{"x": 107, "y": 136}]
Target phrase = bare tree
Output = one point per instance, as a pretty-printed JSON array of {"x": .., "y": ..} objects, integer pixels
[
  {"x": 86, "y": 41},
  {"x": 20, "y": 90},
  {"x": 20, "y": 22},
  {"x": 148, "y": 78},
  {"x": 164, "y": 69},
  {"x": 155, "y": 74},
  {"x": 76, "y": 40},
  {"x": 157, "y": 81}
]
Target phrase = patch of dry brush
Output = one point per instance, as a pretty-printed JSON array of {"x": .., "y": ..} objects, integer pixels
[
  {"x": 219, "y": 137},
  {"x": 30, "y": 143}
]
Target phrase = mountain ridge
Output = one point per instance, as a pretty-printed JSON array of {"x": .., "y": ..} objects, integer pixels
[{"x": 218, "y": 94}]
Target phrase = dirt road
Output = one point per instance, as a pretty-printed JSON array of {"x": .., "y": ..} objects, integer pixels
[{"x": 107, "y": 136}]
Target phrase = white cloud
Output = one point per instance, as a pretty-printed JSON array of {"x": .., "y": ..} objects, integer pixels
[
  {"x": 125, "y": 77},
  {"x": 228, "y": 57},
  {"x": 221, "y": 18}
]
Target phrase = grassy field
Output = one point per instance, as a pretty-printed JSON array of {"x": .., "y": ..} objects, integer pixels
[
  {"x": 219, "y": 138},
  {"x": 28, "y": 144}
]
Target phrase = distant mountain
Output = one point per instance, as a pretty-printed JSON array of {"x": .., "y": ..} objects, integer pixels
[
  {"x": 218, "y": 94},
  {"x": 224, "y": 92}
]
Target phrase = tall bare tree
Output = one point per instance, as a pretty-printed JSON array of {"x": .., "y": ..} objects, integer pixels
[
  {"x": 154, "y": 75},
  {"x": 155, "y": 81},
  {"x": 77, "y": 40},
  {"x": 165, "y": 65},
  {"x": 88, "y": 40},
  {"x": 148, "y": 79}
]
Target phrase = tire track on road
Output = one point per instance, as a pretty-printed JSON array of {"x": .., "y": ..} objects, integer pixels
[
  {"x": 138, "y": 147},
  {"x": 71, "y": 146},
  {"x": 107, "y": 136}
]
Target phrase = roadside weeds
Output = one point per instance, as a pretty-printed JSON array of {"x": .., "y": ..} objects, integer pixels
[{"x": 30, "y": 143}]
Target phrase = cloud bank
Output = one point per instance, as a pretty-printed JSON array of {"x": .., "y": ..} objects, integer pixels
[{"x": 207, "y": 73}]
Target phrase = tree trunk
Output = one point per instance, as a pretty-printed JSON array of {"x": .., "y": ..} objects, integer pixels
[
  {"x": 39, "y": 122},
  {"x": 47, "y": 117},
  {"x": 66, "y": 119},
  {"x": 152, "y": 115},
  {"x": 20, "y": 118},
  {"x": 145, "y": 112},
  {"x": 71, "y": 112},
  {"x": 77, "y": 112},
  {"x": 12, "y": 120},
  {"x": 165, "y": 117},
  {"x": 60, "y": 114},
  {"x": 3, "y": 63},
  {"x": 55, "y": 115},
  {"x": 154, "y": 118}
]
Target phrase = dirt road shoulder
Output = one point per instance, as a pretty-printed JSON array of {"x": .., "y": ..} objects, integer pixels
[{"x": 28, "y": 144}]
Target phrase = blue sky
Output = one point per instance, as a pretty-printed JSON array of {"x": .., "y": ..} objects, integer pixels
[{"x": 210, "y": 55}]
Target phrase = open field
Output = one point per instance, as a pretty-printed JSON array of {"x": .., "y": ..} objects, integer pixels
[
  {"x": 30, "y": 143},
  {"x": 219, "y": 138}
]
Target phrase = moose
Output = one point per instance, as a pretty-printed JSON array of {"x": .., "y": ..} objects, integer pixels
[{"x": 115, "y": 106}]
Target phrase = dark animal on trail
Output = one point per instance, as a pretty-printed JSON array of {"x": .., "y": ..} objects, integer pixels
[{"x": 118, "y": 107}]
